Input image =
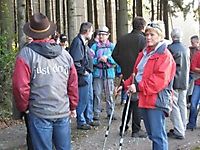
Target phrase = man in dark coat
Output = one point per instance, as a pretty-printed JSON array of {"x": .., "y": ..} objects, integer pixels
[{"x": 125, "y": 54}]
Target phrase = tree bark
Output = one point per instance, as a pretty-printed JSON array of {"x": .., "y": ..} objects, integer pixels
[
  {"x": 48, "y": 9},
  {"x": 90, "y": 11},
  {"x": 42, "y": 7},
  {"x": 152, "y": 10},
  {"x": 21, "y": 18},
  {"x": 161, "y": 10},
  {"x": 122, "y": 21},
  {"x": 165, "y": 18},
  {"x": 65, "y": 20},
  {"x": 139, "y": 8},
  {"x": 134, "y": 7},
  {"x": 7, "y": 21},
  {"x": 71, "y": 22},
  {"x": 96, "y": 22}
]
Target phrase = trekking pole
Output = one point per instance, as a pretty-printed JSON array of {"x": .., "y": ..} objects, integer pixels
[
  {"x": 108, "y": 127},
  {"x": 124, "y": 125},
  {"x": 112, "y": 112},
  {"x": 125, "y": 119}
]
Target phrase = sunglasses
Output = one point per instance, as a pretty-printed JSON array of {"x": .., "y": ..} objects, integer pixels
[{"x": 154, "y": 25}]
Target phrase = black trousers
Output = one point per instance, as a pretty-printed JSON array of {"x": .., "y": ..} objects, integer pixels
[
  {"x": 136, "y": 116},
  {"x": 28, "y": 137}
]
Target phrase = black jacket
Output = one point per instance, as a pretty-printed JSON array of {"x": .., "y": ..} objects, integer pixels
[
  {"x": 80, "y": 54},
  {"x": 127, "y": 49}
]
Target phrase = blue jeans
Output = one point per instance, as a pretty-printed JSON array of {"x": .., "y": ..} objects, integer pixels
[
  {"x": 85, "y": 104},
  {"x": 154, "y": 121},
  {"x": 46, "y": 132},
  {"x": 193, "y": 108},
  {"x": 123, "y": 95}
]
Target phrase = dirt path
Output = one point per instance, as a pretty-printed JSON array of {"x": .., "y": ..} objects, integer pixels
[{"x": 14, "y": 137}]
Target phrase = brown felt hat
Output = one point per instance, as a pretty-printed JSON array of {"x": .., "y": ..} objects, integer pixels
[{"x": 39, "y": 27}]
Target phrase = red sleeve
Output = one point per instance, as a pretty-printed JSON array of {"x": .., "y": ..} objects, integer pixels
[
  {"x": 128, "y": 82},
  {"x": 72, "y": 88},
  {"x": 195, "y": 62},
  {"x": 21, "y": 84}
]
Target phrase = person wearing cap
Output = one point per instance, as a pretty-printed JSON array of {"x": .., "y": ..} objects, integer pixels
[
  {"x": 63, "y": 42},
  {"x": 152, "y": 78},
  {"x": 104, "y": 72},
  {"x": 45, "y": 86},
  {"x": 81, "y": 55},
  {"x": 181, "y": 56}
]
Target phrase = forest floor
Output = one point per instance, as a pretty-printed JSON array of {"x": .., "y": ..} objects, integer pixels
[{"x": 13, "y": 133}]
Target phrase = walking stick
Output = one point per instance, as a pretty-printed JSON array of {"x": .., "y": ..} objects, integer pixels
[
  {"x": 125, "y": 119},
  {"x": 108, "y": 127},
  {"x": 111, "y": 115},
  {"x": 124, "y": 125}
]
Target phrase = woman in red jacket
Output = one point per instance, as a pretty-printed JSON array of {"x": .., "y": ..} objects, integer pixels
[{"x": 152, "y": 78}]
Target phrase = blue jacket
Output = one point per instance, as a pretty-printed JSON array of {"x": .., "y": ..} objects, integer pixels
[{"x": 103, "y": 70}]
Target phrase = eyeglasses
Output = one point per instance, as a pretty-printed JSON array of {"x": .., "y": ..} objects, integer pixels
[
  {"x": 154, "y": 25},
  {"x": 102, "y": 34}
]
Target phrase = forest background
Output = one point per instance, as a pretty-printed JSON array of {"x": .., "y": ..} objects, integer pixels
[{"x": 69, "y": 14}]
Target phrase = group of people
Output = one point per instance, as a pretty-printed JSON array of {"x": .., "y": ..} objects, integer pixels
[{"x": 54, "y": 82}]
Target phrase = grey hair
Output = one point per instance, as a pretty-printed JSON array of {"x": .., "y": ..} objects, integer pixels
[{"x": 176, "y": 34}]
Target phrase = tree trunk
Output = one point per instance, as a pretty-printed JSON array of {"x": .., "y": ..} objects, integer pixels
[
  {"x": 161, "y": 10},
  {"x": 134, "y": 7},
  {"x": 101, "y": 12},
  {"x": 21, "y": 18},
  {"x": 29, "y": 9},
  {"x": 96, "y": 22},
  {"x": 90, "y": 11},
  {"x": 42, "y": 7},
  {"x": 139, "y": 8},
  {"x": 59, "y": 15},
  {"x": 152, "y": 10},
  {"x": 157, "y": 9},
  {"x": 109, "y": 17},
  {"x": 53, "y": 10},
  {"x": 35, "y": 5},
  {"x": 65, "y": 20},
  {"x": 7, "y": 21},
  {"x": 71, "y": 19},
  {"x": 122, "y": 18},
  {"x": 165, "y": 18},
  {"x": 48, "y": 9},
  {"x": 77, "y": 14}
]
